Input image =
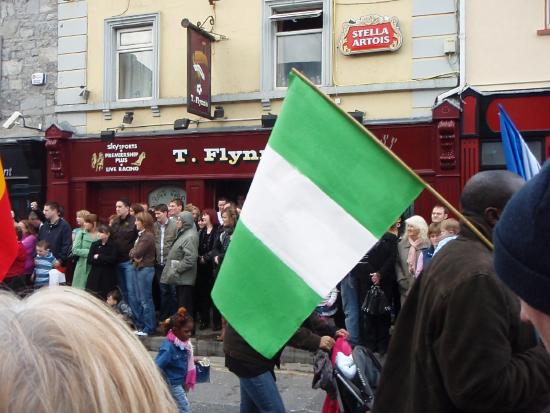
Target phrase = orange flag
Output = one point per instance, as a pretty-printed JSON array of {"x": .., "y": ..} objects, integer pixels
[{"x": 7, "y": 233}]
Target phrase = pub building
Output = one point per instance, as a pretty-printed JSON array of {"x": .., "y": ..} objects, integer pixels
[
  {"x": 357, "y": 54},
  {"x": 201, "y": 166}
]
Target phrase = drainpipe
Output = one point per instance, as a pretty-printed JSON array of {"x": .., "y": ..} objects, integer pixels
[{"x": 462, "y": 54}]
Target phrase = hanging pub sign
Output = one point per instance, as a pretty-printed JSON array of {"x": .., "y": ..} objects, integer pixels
[
  {"x": 369, "y": 34},
  {"x": 199, "y": 65}
]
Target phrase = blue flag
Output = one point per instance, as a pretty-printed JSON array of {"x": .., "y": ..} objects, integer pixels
[{"x": 519, "y": 158}]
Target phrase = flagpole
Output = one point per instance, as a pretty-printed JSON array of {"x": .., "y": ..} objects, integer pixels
[{"x": 436, "y": 194}]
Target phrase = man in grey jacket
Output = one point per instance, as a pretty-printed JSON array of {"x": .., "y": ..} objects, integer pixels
[
  {"x": 165, "y": 234},
  {"x": 181, "y": 263}
]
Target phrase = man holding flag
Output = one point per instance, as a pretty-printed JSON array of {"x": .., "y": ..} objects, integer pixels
[
  {"x": 333, "y": 174},
  {"x": 7, "y": 231}
]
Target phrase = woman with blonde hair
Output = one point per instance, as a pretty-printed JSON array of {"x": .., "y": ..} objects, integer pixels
[
  {"x": 62, "y": 350},
  {"x": 80, "y": 222},
  {"x": 81, "y": 249},
  {"x": 414, "y": 241}
]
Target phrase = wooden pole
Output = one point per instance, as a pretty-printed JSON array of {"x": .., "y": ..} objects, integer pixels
[{"x": 436, "y": 194}]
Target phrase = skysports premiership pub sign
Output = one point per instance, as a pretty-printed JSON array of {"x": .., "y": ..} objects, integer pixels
[
  {"x": 199, "y": 66},
  {"x": 370, "y": 34}
]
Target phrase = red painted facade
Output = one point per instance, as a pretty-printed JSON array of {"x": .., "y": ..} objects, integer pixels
[
  {"x": 93, "y": 173},
  {"x": 529, "y": 110}
]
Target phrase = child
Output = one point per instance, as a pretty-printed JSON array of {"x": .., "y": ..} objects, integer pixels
[
  {"x": 102, "y": 258},
  {"x": 114, "y": 300},
  {"x": 327, "y": 308},
  {"x": 175, "y": 357},
  {"x": 449, "y": 231},
  {"x": 434, "y": 233},
  {"x": 43, "y": 264}
]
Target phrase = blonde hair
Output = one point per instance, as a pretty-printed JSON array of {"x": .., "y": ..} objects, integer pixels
[
  {"x": 419, "y": 223},
  {"x": 82, "y": 213},
  {"x": 62, "y": 350}
]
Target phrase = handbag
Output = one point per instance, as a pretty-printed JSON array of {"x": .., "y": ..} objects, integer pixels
[
  {"x": 202, "y": 368},
  {"x": 376, "y": 302}
]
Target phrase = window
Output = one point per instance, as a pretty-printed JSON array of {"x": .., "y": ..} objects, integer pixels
[
  {"x": 135, "y": 63},
  {"x": 131, "y": 58},
  {"x": 298, "y": 43},
  {"x": 492, "y": 154},
  {"x": 296, "y": 35}
]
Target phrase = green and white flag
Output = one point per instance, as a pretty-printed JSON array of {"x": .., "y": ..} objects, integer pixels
[{"x": 324, "y": 192}]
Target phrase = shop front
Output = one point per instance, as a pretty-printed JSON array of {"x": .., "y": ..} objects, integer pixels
[
  {"x": 201, "y": 167},
  {"x": 24, "y": 163},
  {"x": 481, "y": 145}
]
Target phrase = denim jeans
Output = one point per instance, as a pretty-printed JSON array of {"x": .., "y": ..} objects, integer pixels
[
  {"x": 145, "y": 318},
  {"x": 260, "y": 395},
  {"x": 181, "y": 399},
  {"x": 167, "y": 300},
  {"x": 125, "y": 271},
  {"x": 350, "y": 302}
]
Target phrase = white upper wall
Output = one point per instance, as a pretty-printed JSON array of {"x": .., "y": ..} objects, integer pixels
[{"x": 503, "y": 48}]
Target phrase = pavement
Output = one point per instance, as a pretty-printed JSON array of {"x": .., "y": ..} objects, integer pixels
[{"x": 222, "y": 394}]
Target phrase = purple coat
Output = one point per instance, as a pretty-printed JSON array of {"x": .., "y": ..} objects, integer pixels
[{"x": 29, "y": 242}]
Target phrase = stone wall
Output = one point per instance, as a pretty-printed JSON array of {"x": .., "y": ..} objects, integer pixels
[{"x": 28, "y": 32}]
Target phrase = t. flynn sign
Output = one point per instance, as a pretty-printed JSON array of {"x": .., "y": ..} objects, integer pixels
[{"x": 369, "y": 34}]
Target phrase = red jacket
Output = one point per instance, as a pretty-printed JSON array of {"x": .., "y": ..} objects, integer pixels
[{"x": 18, "y": 266}]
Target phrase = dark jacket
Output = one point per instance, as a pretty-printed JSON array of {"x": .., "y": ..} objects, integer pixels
[
  {"x": 206, "y": 240},
  {"x": 381, "y": 259},
  {"x": 459, "y": 344},
  {"x": 102, "y": 278},
  {"x": 124, "y": 234},
  {"x": 60, "y": 238},
  {"x": 308, "y": 337},
  {"x": 221, "y": 243},
  {"x": 206, "y": 244}
]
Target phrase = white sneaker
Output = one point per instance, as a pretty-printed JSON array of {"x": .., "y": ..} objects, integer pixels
[{"x": 142, "y": 334}]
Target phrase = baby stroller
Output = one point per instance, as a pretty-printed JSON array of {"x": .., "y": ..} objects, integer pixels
[{"x": 356, "y": 378}]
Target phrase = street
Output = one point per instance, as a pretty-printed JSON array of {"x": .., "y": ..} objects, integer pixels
[{"x": 222, "y": 393}]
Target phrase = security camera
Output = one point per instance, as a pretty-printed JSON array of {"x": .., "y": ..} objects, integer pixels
[
  {"x": 84, "y": 93},
  {"x": 12, "y": 120}
]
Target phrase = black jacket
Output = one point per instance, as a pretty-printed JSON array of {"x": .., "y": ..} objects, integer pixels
[
  {"x": 381, "y": 259},
  {"x": 459, "y": 344},
  {"x": 59, "y": 236},
  {"x": 102, "y": 278}
]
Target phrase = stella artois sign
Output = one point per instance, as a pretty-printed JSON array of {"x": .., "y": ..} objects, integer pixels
[{"x": 369, "y": 34}]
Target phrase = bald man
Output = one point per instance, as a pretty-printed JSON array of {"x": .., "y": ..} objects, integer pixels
[{"x": 459, "y": 344}]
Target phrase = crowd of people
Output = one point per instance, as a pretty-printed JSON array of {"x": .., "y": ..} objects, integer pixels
[
  {"x": 155, "y": 260},
  {"x": 460, "y": 341},
  {"x": 393, "y": 264}
]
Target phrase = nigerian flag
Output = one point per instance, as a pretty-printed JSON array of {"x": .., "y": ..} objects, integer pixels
[{"x": 324, "y": 192}]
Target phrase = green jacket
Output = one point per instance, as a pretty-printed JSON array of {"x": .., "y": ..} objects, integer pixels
[
  {"x": 181, "y": 263},
  {"x": 81, "y": 247}
]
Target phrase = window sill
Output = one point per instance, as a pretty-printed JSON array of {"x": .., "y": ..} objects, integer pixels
[{"x": 543, "y": 32}]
